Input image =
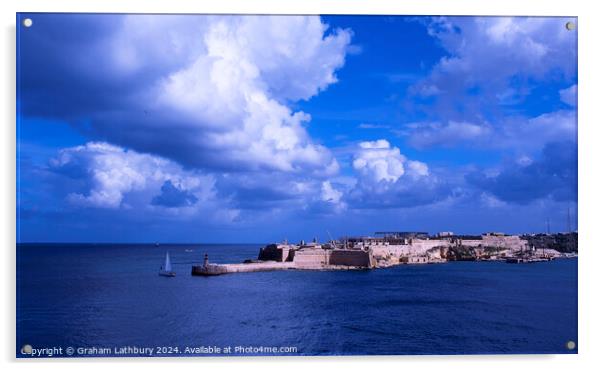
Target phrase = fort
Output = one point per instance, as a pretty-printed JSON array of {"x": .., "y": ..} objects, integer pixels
[{"x": 385, "y": 249}]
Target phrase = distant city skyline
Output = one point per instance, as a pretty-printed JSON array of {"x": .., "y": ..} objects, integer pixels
[{"x": 192, "y": 128}]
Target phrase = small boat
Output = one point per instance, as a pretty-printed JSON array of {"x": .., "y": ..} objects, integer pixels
[{"x": 166, "y": 269}]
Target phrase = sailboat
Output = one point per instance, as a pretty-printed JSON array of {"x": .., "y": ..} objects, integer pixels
[{"x": 166, "y": 269}]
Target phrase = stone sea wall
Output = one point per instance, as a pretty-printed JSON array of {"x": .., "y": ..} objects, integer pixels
[{"x": 317, "y": 257}]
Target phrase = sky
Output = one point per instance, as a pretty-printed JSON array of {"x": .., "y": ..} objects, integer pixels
[{"x": 230, "y": 129}]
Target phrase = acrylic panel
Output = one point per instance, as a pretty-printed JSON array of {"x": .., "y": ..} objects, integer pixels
[{"x": 254, "y": 185}]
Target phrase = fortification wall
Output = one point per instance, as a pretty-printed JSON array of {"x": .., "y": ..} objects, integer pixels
[
  {"x": 509, "y": 242},
  {"x": 425, "y": 245},
  {"x": 503, "y": 242},
  {"x": 270, "y": 252},
  {"x": 390, "y": 251},
  {"x": 397, "y": 251},
  {"x": 310, "y": 257},
  {"x": 288, "y": 253},
  {"x": 279, "y": 253},
  {"x": 352, "y": 258},
  {"x": 316, "y": 257}
]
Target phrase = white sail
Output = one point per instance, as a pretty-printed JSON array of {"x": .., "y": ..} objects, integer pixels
[{"x": 167, "y": 266}]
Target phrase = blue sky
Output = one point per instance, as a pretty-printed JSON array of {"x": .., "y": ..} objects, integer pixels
[{"x": 143, "y": 128}]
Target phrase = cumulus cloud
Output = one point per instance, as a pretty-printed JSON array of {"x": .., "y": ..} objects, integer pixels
[
  {"x": 378, "y": 161},
  {"x": 417, "y": 168},
  {"x": 492, "y": 49},
  {"x": 205, "y": 91},
  {"x": 386, "y": 178},
  {"x": 480, "y": 93},
  {"x": 112, "y": 173},
  {"x": 330, "y": 194},
  {"x": 545, "y": 128},
  {"x": 494, "y": 62},
  {"x": 214, "y": 94}
]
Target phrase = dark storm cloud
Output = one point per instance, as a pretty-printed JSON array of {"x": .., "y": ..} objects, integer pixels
[{"x": 554, "y": 175}]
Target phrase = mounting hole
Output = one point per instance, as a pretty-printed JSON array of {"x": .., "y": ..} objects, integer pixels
[
  {"x": 570, "y": 26},
  {"x": 27, "y": 22},
  {"x": 26, "y": 349},
  {"x": 570, "y": 345}
]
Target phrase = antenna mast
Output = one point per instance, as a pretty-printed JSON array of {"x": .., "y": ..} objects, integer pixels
[{"x": 331, "y": 239}]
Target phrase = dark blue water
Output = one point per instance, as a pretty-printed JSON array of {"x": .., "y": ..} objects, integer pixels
[{"x": 107, "y": 296}]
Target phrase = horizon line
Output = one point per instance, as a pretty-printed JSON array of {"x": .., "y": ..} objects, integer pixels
[{"x": 251, "y": 242}]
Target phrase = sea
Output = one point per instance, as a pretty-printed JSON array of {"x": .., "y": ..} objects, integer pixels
[{"x": 108, "y": 300}]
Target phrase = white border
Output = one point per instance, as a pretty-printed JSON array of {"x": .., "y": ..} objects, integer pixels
[{"x": 590, "y": 311}]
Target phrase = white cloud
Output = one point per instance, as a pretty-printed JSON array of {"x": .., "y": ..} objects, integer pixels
[
  {"x": 526, "y": 135},
  {"x": 208, "y": 91},
  {"x": 329, "y": 194},
  {"x": 490, "y": 201},
  {"x": 387, "y": 179},
  {"x": 230, "y": 96},
  {"x": 532, "y": 134},
  {"x": 113, "y": 173},
  {"x": 378, "y": 161},
  {"x": 417, "y": 168},
  {"x": 490, "y": 67},
  {"x": 569, "y": 95},
  {"x": 493, "y": 48},
  {"x": 366, "y": 125},
  {"x": 499, "y": 58}
]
